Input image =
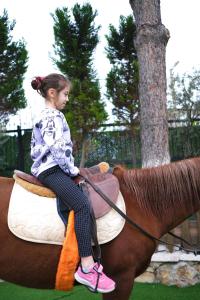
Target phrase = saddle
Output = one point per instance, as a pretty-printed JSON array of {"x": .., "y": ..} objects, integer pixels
[
  {"x": 107, "y": 226},
  {"x": 106, "y": 182}
]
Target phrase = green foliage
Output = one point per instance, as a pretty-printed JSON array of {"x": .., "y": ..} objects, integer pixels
[
  {"x": 13, "y": 65},
  {"x": 120, "y": 42},
  {"x": 75, "y": 40},
  {"x": 76, "y": 37},
  {"x": 184, "y": 96},
  {"x": 122, "y": 80}
]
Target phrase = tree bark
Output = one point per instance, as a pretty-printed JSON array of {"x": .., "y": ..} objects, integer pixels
[
  {"x": 84, "y": 152},
  {"x": 150, "y": 42}
]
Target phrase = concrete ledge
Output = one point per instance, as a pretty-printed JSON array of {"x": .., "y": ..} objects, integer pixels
[
  {"x": 174, "y": 257},
  {"x": 163, "y": 255}
]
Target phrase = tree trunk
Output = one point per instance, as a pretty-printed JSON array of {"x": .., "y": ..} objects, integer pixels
[
  {"x": 151, "y": 41},
  {"x": 84, "y": 152}
]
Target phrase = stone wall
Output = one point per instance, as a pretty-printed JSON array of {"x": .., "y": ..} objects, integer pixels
[{"x": 177, "y": 268}]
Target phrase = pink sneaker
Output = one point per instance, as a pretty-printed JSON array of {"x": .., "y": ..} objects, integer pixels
[{"x": 90, "y": 279}]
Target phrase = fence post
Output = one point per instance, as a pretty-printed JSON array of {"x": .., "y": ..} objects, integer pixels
[
  {"x": 185, "y": 230},
  {"x": 20, "y": 163}
]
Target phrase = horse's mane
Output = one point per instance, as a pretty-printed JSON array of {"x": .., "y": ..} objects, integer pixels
[{"x": 175, "y": 185}]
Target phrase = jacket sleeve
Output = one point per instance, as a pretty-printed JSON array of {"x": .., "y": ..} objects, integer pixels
[{"x": 56, "y": 135}]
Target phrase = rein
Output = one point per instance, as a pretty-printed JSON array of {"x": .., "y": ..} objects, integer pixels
[{"x": 195, "y": 251}]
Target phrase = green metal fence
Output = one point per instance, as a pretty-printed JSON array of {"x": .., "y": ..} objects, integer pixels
[{"x": 114, "y": 146}]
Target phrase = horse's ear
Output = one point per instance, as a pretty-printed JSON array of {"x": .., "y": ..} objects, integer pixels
[{"x": 119, "y": 171}]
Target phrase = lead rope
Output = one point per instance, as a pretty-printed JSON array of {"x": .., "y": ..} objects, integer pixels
[
  {"x": 195, "y": 251},
  {"x": 132, "y": 223}
]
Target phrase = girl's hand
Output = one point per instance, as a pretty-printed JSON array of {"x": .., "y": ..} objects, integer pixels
[{"x": 76, "y": 170}]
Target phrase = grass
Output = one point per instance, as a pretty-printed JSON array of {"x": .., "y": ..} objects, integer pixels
[{"x": 141, "y": 291}]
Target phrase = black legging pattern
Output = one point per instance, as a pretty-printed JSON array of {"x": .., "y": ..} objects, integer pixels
[{"x": 68, "y": 192}]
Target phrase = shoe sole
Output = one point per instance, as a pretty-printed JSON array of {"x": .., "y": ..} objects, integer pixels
[{"x": 91, "y": 288}]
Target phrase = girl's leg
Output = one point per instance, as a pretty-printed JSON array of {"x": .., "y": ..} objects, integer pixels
[
  {"x": 64, "y": 187},
  {"x": 68, "y": 192}
]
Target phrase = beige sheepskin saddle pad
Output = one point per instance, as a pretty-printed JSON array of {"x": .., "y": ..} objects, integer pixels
[{"x": 34, "y": 218}]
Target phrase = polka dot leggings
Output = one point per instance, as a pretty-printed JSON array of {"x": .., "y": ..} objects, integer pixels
[{"x": 72, "y": 196}]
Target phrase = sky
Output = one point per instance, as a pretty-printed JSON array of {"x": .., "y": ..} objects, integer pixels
[{"x": 34, "y": 24}]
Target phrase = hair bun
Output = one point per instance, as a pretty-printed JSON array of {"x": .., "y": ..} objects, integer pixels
[{"x": 37, "y": 82}]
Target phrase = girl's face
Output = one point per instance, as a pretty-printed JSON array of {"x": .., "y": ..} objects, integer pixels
[{"x": 58, "y": 100}]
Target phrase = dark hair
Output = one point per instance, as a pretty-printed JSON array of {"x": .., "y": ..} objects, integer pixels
[{"x": 54, "y": 80}]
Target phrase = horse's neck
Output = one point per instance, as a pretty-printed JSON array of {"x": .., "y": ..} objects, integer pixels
[{"x": 173, "y": 217}]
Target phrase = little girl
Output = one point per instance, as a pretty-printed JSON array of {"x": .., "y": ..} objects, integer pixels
[{"x": 53, "y": 164}]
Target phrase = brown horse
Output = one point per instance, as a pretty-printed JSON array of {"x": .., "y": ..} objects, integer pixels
[{"x": 157, "y": 199}]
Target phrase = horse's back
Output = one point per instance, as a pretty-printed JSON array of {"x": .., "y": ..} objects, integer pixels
[
  {"x": 6, "y": 186},
  {"x": 6, "y": 182}
]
